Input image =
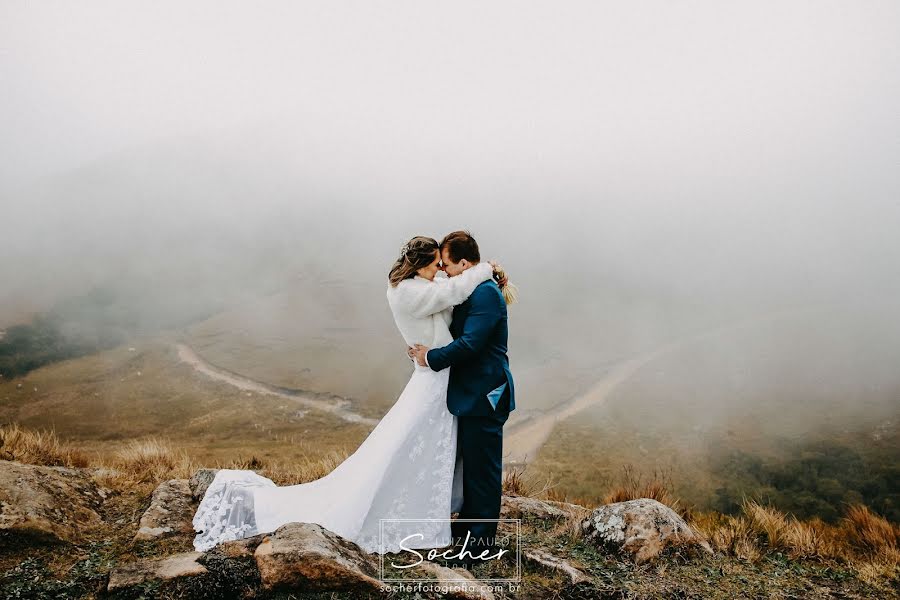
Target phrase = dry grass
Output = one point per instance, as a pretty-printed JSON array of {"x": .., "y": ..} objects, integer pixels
[
  {"x": 868, "y": 532},
  {"x": 861, "y": 533},
  {"x": 769, "y": 522},
  {"x": 658, "y": 486},
  {"x": 552, "y": 492},
  {"x": 732, "y": 535},
  {"x": 152, "y": 460},
  {"x": 812, "y": 539},
  {"x": 863, "y": 540},
  {"x": 878, "y": 569},
  {"x": 514, "y": 482},
  {"x": 38, "y": 448},
  {"x": 875, "y": 541},
  {"x": 569, "y": 528},
  {"x": 519, "y": 482},
  {"x": 309, "y": 468}
]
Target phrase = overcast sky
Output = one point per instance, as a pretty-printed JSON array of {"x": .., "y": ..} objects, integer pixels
[
  {"x": 673, "y": 144},
  {"x": 689, "y": 87}
]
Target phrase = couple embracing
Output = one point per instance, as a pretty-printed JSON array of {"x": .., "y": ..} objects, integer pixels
[{"x": 437, "y": 451}]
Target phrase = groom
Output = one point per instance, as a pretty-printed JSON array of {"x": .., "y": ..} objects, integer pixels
[{"x": 480, "y": 393}]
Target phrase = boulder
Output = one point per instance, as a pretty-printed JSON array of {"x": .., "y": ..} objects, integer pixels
[
  {"x": 160, "y": 570},
  {"x": 199, "y": 482},
  {"x": 521, "y": 507},
  {"x": 170, "y": 511},
  {"x": 48, "y": 503},
  {"x": 309, "y": 557},
  {"x": 641, "y": 528},
  {"x": 240, "y": 547}
]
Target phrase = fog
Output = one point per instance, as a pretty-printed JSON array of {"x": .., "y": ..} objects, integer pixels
[{"x": 644, "y": 172}]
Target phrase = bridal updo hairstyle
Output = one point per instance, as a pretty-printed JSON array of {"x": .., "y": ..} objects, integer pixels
[{"x": 416, "y": 254}]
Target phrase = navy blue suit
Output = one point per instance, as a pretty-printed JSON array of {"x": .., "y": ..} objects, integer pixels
[{"x": 480, "y": 366}]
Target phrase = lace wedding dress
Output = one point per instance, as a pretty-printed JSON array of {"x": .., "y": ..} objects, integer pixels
[{"x": 405, "y": 469}]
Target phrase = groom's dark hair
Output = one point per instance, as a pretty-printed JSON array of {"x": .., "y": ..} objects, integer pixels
[{"x": 461, "y": 245}]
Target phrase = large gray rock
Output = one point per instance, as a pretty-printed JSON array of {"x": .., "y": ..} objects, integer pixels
[
  {"x": 48, "y": 503},
  {"x": 160, "y": 570},
  {"x": 241, "y": 547},
  {"x": 170, "y": 512},
  {"x": 199, "y": 482},
  {"x": 522, "y": 507},
  {"x": 641, "y": 528},
  {"x": 309, "y": 557}
]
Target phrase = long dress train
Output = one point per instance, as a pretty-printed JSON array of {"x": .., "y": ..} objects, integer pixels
[{"x": 404, "y": 469}]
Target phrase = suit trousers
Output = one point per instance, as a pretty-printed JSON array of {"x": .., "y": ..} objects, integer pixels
[{"x": 480, "y": 443}]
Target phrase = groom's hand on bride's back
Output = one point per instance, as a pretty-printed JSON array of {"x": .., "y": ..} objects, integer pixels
[
  {"x": 418, "y": 354},
  {"x": 412, "y": 353}
]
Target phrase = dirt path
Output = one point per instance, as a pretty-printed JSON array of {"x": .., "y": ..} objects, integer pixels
[
  {"x": 325, "y": 402},
  {"x": 523, "y": 439}
]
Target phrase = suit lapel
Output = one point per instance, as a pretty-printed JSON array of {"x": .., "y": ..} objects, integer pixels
[{"x": 459, "y": 318}]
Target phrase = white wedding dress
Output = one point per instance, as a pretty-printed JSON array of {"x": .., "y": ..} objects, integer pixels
[{"x": 405, "y": 469}]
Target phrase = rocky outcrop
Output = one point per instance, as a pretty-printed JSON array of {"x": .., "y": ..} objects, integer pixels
[
  {"x": 170, "y": 512},
  {"x": 48, "y": 503},
  {"x": 62, "y": 504},
  {"x": 641, "y": 528},
  {"x": 242, "y": 547},
  {"x": 199, "y": 482},
  {"x": 522, "y": 507},
  {"x": 309, "y": 557},
  {"x": 546, "y": 560},
  {"x": 160, "y": 571}
]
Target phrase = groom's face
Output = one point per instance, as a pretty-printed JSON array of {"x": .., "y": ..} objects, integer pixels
[{"x": 451, "y": 268}]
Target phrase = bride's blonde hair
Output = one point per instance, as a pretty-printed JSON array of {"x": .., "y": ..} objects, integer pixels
[{"x": 510, "y": 291}]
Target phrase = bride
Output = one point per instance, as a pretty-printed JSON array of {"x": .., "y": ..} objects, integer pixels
[{"x": 406, "y": 467}]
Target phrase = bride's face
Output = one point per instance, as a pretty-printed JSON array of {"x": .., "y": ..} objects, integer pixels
[{"x": 431, "y": 270}]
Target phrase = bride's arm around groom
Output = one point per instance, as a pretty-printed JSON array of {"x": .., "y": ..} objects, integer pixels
[
  {"x": 420, "y": 298},
  {"x": 486, "y": 309}
]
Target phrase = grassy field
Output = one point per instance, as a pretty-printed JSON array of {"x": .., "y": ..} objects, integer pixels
[
  {"x": 816, "y": 418},
  {"x": 105, "y": 401}
]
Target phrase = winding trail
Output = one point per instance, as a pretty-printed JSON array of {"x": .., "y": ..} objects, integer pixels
[
  {"x": 329, "y": 403},
  {"x": 523, "y": 440}
]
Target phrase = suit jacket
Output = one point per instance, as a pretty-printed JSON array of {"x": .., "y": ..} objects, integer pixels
[{"x": 477, "y": 354}]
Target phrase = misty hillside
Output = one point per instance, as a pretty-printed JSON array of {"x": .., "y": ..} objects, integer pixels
[{"x": 722, "y": 415}]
